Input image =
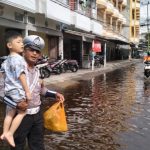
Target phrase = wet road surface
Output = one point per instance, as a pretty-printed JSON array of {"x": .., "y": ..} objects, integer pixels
[{"x": 107, "y": 112}]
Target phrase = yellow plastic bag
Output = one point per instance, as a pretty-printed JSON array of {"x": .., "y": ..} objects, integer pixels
[{"x": 55, "y": 118}]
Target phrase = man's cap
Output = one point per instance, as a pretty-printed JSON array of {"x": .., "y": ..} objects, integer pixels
[{"x": 35, "y": 42}]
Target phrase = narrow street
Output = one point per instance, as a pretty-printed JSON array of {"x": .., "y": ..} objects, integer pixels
[{"x": 109, "y": 111}]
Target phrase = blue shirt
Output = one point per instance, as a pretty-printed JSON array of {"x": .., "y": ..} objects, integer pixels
[{"x": 13, "y": 67}]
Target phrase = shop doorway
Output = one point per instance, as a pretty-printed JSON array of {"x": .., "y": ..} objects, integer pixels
[
  {"x": 53, "y": 47},
  {"x": 75, "y": 50}
]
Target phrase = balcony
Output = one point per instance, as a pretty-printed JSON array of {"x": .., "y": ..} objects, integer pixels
[
  {"x": 124, "y": 21},
  {"x": 96, "y": 27},
  {"x": 59, "y": 14},
  {"x": 135, "y": 23},
  {"x": 116, "y": 13},
  {"x": 29, "y": 5},
  {"x": 101, "y": 4},
  {"x": 82, "y": 22},
  {"x": 121, "y": 17},
  {"x": 138, "y": 5},
  {"x": 124, "y": 3},
  {"x": 110, "y": 8},
  {"x": 134, "y": 40}
]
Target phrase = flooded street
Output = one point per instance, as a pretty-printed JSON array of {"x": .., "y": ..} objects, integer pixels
[{"x": 107, "y": 112}]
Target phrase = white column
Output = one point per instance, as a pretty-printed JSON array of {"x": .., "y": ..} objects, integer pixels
[
  {"x": 26, "y": 22},
  {"x": 105, "y": 55},
  {"x": 61, "y": 52}
]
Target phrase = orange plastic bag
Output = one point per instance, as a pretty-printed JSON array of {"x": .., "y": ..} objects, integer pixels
[{"x": 55, "y": 118}]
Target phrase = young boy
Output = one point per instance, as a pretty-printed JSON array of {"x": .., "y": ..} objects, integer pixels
[{"x": 16, "y": 84}]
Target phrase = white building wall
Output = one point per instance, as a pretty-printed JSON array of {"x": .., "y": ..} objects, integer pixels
[
  {"x": 143, "y": 17},
  {"x": 58, "y": 12},
  {"x": 28, "y": 5},
  {"x": 82, "y": 22}
]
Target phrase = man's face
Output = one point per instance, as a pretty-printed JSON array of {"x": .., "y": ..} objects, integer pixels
[{"x": 31, "y": 55}]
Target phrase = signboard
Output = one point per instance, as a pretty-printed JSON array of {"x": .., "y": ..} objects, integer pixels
[{"x": 96, "y": 46}]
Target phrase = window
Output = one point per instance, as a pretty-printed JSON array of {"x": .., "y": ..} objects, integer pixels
[
  {"x": 133, "y": 14},
  {"x": 132, "y": 31},
  {"x": 19, "y": 17},
  {"x": 31, "y": 20}
]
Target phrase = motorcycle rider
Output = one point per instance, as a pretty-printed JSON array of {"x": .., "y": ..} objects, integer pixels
[{"x": 147, "y": 57}]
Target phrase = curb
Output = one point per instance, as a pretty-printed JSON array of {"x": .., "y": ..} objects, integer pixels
[{"x": 55, "y": 79}]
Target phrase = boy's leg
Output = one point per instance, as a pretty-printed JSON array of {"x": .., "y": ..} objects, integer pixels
[
  {"x": 10, "y": 113},
  {"x": 22, "y": 132},
  {"x": 15, "y": 124}
]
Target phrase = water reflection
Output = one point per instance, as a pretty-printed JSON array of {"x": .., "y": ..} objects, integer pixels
[{"x": 99, "y": 112}]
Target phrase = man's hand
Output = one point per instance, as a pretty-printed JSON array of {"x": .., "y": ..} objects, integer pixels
[
  {"x": 60, "y": 97},
  {"x": 22, "y": 105}
]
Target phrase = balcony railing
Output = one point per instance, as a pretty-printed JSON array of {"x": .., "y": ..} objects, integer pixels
[
  {"x": 102, "y": 3},
  {"x": 124, "y": 3},
  {"x": 62, "y": 2},
  {"x": 85, "y": 10},
  {"x": 110, "y": 8},
  {"x": 116, "y": 13}
]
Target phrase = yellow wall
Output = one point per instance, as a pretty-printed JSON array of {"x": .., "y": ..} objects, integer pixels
[{"x": 134, "y": 37}]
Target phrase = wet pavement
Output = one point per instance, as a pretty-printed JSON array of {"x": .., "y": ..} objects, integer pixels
[
  {"x": 110, "y": 111},
  {"x": 69, "y": 78}
]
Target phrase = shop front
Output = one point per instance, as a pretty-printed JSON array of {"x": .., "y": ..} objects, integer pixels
[{"x": 73, "y": 47}]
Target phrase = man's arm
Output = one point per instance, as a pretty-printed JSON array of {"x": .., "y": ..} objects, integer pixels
[
  {"x": 21, "y": 105},
  {"x": 56, "y": 95},
  {"x": 52, "y": 94}
]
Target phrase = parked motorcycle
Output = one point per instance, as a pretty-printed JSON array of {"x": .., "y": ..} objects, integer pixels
[
  {"x": 147, "y": 68},
  {"x": 42, "y": 64},
  {"x": 70, "y": 65},
  {"x": 98, "y": 60},
  {"x": 55, "y": 66},
  {"x": 2, "y": 59}
]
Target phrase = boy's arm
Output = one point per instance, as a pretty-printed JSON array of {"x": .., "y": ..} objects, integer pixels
[{"x": 23, "y": 81}]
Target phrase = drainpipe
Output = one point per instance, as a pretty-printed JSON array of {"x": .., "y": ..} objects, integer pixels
[{"x": 105, "y": 55}]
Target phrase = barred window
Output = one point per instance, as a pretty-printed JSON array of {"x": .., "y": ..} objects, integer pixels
[
  {"x": 19, "y": 17},
  {"x": 31, "y": 20}
]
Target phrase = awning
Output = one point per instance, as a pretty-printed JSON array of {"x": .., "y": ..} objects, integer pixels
[
  {"x": 101, "y": 38},
  {"x": 44, "y": 30},
  {"x": 117, "y": 41},
  {"x": 84, "y": 36}
]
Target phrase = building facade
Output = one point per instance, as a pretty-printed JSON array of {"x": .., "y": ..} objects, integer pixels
[
  {"x": 69, "y": 27},
  {"x": 134, "y": 21}
]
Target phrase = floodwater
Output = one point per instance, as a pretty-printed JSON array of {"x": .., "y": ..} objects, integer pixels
[{"x": 107, "y": 112}]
